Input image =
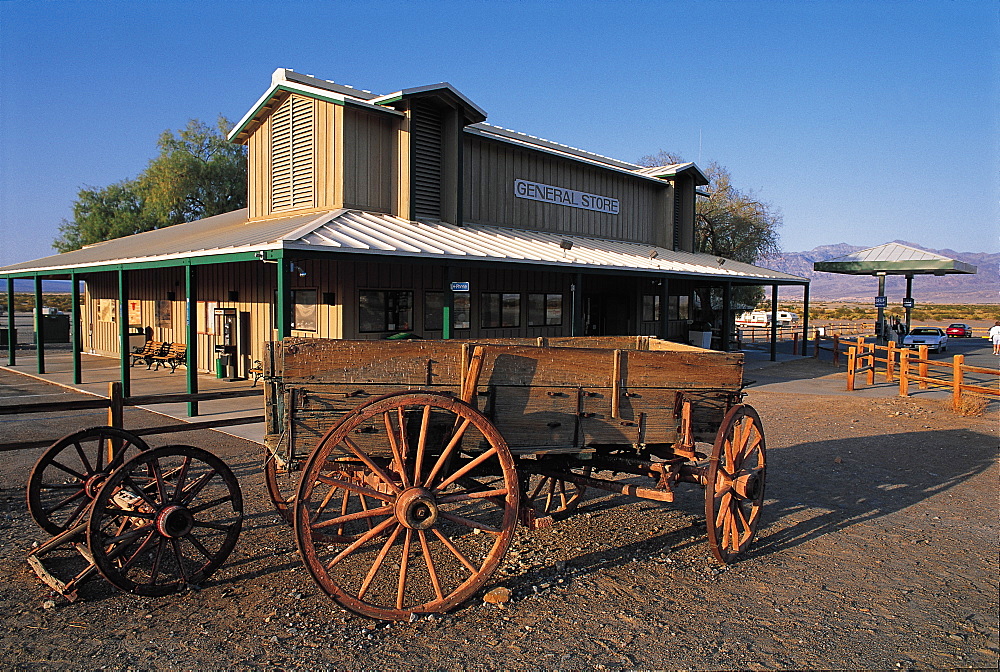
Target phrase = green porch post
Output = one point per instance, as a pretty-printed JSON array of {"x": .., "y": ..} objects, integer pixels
[
  {"x": 191, "y": 336},
  {"x": 283, "y": 312},
  {"x": 39, "y": 340},
  {"x": 576, "y": 310},
  {"x": 664, "y": 307},
  {"x": 774, "y": 323},
  {"x": 805, "y": 320},
  {"x": 74, "y": 325},
  {"x": 11, "y": 328},
  {"x": 448, "y": 304},
  {"x": 123, "y": 332},
  {"x": 725, "y": 335}
]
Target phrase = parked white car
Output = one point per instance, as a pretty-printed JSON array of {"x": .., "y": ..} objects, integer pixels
[{"x": 933, "y": 337}]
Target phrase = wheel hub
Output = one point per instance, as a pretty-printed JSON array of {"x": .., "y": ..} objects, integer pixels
[
  {"x": 174, "y": 521},
  {"x": 749, "y": 485},
  {"x": 417, "y": 509},
  {"x": 93, "y": 484}
]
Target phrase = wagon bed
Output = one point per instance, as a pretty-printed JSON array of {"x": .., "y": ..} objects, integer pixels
[{"x": 406, "y": 466}]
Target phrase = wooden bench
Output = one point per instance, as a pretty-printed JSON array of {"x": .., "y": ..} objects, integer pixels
[
  {"x": 146, "y": 352},
  {"x": 256, "y": 371},
  {"x": 175, "y": 355}
]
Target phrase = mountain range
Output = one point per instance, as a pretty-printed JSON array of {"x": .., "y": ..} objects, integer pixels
[{"x": 983, "y": 287}]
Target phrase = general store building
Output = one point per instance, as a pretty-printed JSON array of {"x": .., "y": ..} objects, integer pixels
[{"x": 377, "y": 215}]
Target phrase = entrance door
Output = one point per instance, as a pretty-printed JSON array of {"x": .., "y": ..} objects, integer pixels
[{"x": 607, "y": 310}]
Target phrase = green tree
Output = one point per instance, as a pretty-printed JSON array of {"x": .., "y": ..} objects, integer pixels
[
  {"x": 198, "y": 173},
  {"x": 102, "y": 214},
  {"x": 730, "y": 222}
]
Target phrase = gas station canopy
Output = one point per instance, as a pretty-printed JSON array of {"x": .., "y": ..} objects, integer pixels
[{"x": 894, "y": 259}]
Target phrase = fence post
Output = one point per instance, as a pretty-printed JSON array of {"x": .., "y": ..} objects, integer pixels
[
  {"x": 904, "y": 373},
  {"x": 922, "y": 366},
  {"x": 956, "y": 377},
  {"x": 117, "y": 406},
  {"x": 852, "y": 364},
  {"x": 890, "y": 361},
  {"x": 871, "y": 364},
  {"x": 836, "y": 349},
  {"x": 816, "y": 346},
  {"x": 795, "y": 343}
]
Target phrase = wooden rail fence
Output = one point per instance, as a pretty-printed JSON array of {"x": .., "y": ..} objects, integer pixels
[
  {"x": 115, "y": 403},
  {"x": 907, "y": 367}
]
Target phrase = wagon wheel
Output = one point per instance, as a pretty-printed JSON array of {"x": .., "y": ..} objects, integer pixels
[
  {"x": 166, "y": 518},
  {"x": 281, "y": 478},
  {"x": 735, "y": 483},
  {"x": 549, "y": 495},
  {"x": 426, "y": 518},
  {"x": 67, "y": 476}
]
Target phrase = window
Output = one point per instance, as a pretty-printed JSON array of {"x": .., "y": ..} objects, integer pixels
[
  {"x": 434, "y": 311},
  {"x": 385, "y": 310},
  {"x": 304, "y": 309},
  {"x": 545, "y": 310},
  {"x": 677, "y": 308},
  {"x": 501, "y": 310},
  {"x": 650, "y": 308}
]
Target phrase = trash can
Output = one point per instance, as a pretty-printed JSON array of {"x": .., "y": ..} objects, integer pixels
[
  {"x": 221, "y": 366},
  {"x": 3, "y": 337},
  {"x": 700, "y": 334}
]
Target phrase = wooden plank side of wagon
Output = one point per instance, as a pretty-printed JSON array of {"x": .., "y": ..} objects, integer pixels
[{"x": 403, "y": 363}]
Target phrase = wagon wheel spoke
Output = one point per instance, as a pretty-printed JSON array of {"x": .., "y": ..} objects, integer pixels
[
  {"x": 394, "y": 446},
  {"x": 181, "y": 477},
  {"x": 421, "y": 443},
  {"x": 164, "y": 518},
  {"x": 375, "y": 468},
  {"x": 85, "y": 461},
  {"x": 432, "y": 572},
  {"x": 404, "y": 564},
  {"x": 471, "y": 524},
  {"x": 553, "y": 496},
  {"x": 453, "y": 443},
  {"x": 71, "y": 472},
  {"x": 79, "y": 462},
  {"x": 457, "y": 553},
  {"x": 378, "y": 561},
  {"x": 346, "y": 518},
  {"x": 735, "y": 484},
  {"x": 421, "y": 549}
]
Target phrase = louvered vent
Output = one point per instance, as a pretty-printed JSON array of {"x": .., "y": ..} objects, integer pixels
[
  {"x": 428, "y": 123},
  {"x": 677, "y": 218},
  {"x": 292, "y": 155}
]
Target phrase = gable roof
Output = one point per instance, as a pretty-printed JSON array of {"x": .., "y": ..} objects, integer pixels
[
  {"x": 285, "y": 81},
  {"x": 355, "y": 232}
]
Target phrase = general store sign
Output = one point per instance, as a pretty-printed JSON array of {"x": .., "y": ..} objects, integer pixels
[{"x": 560, "y": 196}]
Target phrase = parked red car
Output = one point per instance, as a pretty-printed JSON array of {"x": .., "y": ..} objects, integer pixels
[{"x": 959, "y": 330}]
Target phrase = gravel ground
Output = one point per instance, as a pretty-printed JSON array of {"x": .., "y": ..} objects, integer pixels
[{"x": 879, "y": 549}]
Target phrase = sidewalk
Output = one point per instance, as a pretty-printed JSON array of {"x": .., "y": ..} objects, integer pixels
[
  {"x": 97, "y": 372},
  {"x": 795, "y": 374}
]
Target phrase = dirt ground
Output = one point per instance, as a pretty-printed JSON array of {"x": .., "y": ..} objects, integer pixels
[{"x": 878, "y": 550}]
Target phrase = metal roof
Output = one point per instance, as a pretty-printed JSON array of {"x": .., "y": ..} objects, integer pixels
[
  {"x": 894, "y": 259},
  {"x": 366, "y": 233}
]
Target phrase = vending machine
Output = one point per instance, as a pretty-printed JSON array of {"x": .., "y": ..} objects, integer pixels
[{"x": 226, "y": 351}]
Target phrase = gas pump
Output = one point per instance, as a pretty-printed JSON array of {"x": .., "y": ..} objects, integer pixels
[{"x": 225, "y": 343}]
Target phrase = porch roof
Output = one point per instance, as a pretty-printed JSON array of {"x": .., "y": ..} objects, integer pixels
[{"x": 351, "y": 232}]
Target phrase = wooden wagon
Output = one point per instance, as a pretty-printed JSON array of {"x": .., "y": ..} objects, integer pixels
[{"x": 405, "y": 467}]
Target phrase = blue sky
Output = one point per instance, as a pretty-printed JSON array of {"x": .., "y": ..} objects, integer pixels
[{"x": 863, "y": 122}]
